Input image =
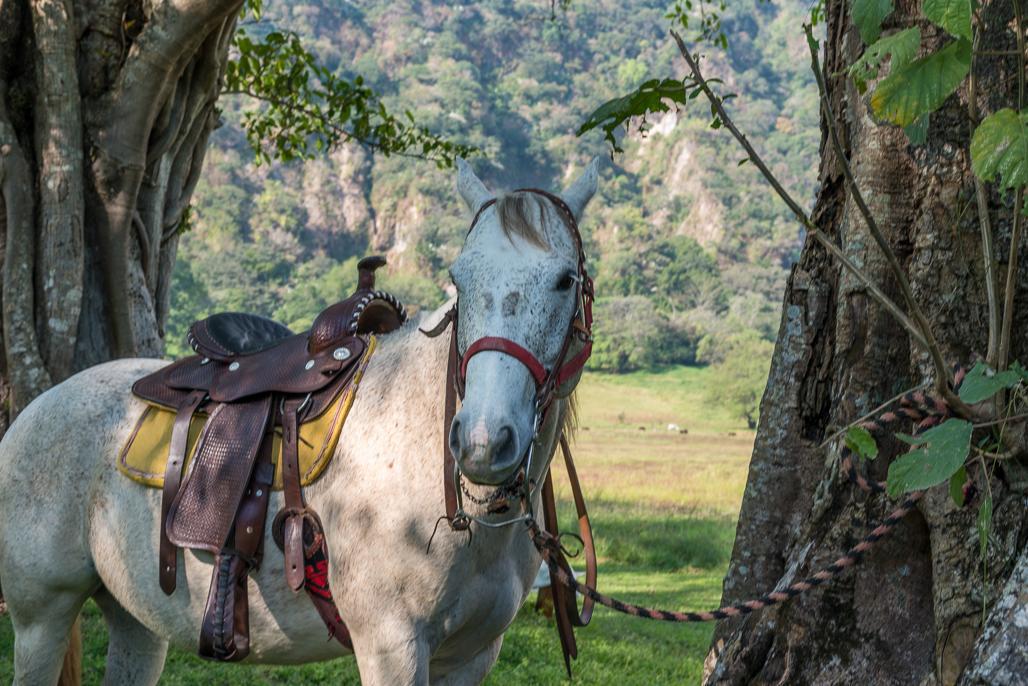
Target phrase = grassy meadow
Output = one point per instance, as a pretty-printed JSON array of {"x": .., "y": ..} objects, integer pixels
[{"x": 663, "y": 505}]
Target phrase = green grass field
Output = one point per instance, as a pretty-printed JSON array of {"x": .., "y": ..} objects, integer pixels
[{"x": 663, "y": 505}]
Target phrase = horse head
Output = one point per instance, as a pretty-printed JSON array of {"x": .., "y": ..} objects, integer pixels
[{"x": 523, "y": 313}]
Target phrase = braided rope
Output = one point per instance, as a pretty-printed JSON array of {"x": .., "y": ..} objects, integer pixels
[
  {"x": 851, "y": 558},
  {"x": 924, "y": 409}
]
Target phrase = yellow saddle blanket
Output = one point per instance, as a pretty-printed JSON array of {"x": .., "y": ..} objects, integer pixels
[{"x": 145, "y": 454}]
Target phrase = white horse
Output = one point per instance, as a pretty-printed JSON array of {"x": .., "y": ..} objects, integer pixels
[{"x": 72, "y": 527}]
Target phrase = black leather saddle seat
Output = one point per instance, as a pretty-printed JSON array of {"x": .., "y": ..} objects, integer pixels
[
  {"x": 237, "y": 333},
  {"x": 242, "y": 355},
  {"x": 227, "y": 335}
]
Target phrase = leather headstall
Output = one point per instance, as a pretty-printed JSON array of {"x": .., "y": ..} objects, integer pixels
[
  {"x": 555, "y": 382},
  {"x": 549, "y": 382}
]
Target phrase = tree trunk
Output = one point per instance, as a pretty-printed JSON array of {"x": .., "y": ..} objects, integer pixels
[
  {"x": 105, "y": 111},
  {"x": 912, "y": 612}
]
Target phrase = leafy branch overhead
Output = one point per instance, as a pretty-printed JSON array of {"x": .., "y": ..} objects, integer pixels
[
  {"x": 306, "y": 109},
  {"x": 914, "y": 88},
  {"x": 652, "y": 96}
]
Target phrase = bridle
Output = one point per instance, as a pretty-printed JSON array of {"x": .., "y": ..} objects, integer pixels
[
  {"x": 550, "y": 382},
  {"x": 547, "y": 381}
]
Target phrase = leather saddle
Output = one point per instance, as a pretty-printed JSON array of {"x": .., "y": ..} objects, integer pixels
[{"x": 252, "y": 378}]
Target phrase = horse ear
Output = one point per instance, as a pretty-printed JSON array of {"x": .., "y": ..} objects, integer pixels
[
  {"x": 470, "y": 187},
  {"x": 578, "y": 194}
]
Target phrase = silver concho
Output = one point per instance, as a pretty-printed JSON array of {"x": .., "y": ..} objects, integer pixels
[
  {"x": 234, "y": 366},
  {"x": 341, "y": 353},
  {"x": 309, "y": 366}
]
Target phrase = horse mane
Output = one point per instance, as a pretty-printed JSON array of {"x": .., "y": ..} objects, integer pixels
[
  {"x": 570, "y": 425},
  {"x": 517, "y": 212}
]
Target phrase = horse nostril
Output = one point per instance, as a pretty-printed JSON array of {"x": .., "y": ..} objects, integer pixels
[
  {"x": 505, "y": 448},
  {"x": 455, "y": 439}
]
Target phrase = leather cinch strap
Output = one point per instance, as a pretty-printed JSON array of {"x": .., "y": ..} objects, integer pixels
[
  {"x": 168, "y": 555},
  {"x": 292, "y": 531}
]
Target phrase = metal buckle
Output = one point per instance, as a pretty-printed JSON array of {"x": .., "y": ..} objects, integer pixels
[{"x": 299, "y": 410}]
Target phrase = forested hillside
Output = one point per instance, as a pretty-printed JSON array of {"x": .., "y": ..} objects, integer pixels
[{"x": 689, "y": 248}]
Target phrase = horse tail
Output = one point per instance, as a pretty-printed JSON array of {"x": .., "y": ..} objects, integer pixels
[{"x": 71, "y": 670}]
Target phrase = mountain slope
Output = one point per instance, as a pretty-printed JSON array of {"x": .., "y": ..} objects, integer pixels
[{"x": 681, "y": 236}]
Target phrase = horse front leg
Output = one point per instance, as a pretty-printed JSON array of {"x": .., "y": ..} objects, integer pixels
[
  {"x": 472, "y": 672},
  {"x": 391, "y": 656}
]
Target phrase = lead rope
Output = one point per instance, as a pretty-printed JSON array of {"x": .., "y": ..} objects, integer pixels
[{"x": 926, "y": 410}]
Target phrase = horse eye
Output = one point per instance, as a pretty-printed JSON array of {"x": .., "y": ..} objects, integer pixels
[{"x": 566, "y": 282}]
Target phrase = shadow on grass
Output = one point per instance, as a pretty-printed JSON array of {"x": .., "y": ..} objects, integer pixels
[{"x": 667, "y": 539}]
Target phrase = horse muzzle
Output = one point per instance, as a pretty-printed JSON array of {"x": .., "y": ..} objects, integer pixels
[{"x": 487, "y": 453}]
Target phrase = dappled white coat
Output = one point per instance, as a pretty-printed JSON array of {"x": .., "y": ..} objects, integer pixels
[{"x": 73, "y": 527}]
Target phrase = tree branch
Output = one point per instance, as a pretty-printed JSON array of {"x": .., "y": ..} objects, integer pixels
[
  {"x": 175, "y": 31},
  {"x": 1010, "y": 289},
  {"x": 984, "y": 223},
  {"x": 800, "y": 214},
  {"x": 942, "y": 376},
  {"x": 189, "y": 150},
  {"x": 58, "y": 141},
  {"x": 344, "y": 134},
  {"x": 26, "y": 372}
]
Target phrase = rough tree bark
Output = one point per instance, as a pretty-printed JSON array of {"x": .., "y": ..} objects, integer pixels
[
  {"x": 913, "y": 611},
  {"x": 105, "y": 111}
]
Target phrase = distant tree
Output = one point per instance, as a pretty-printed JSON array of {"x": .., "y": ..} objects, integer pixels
[
  {"x": 741, "y": 376},
  {"x": 676, "y": 272},
  {"x": 630, "y": 334}
]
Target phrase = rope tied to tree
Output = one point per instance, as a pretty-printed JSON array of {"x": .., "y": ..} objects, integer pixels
[{"x": 926, "y": 410}]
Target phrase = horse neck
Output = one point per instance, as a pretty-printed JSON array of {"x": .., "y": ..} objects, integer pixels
[
  {"x": 398, "y": 418},
  {"x": 398, "y": 407}
]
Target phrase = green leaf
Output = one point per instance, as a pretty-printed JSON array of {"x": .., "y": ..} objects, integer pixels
[
  {"x": 952, "y": 15},
  {"x": 302, "y": 108},
  {"x": 648, "y": 98},
  {"x": 1018, "y": 369},
  {"x": 868, "y": 16},
  {"x": 860, "y": 441},
  {"x": 956, "y": 486},
  {"x": 923, "y": 85},
  {"x": 907, "y": 438},
  {"x": 943, "y": 451},
  {"x": 982, "y": 383},
  {"x": 900, "y": 48},
  {"x": 917, "y": 133},
  {"x": 999, "y": 147},
  {"x": 984, "y": 524}
]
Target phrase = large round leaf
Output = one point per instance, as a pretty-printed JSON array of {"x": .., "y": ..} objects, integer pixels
[
  {"x": 923, "y": 85},
  {"x": 1000, "y": 148}
]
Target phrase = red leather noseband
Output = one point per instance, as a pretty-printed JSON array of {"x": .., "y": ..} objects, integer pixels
[{"x": 504, "y": 345}]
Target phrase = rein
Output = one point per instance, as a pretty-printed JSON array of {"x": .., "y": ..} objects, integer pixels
[{"x": 926, "y": 410}]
